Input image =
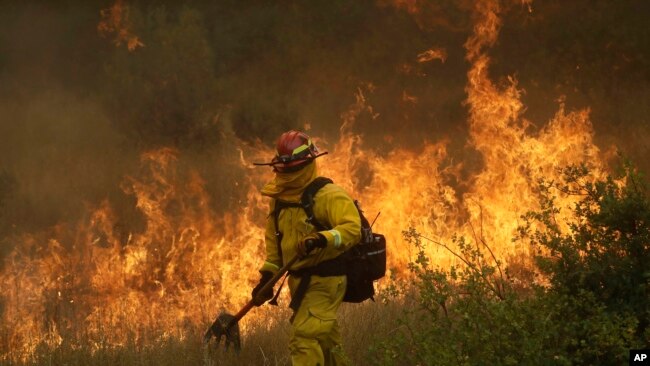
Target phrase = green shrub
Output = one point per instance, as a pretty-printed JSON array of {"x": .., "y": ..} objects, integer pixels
[
  {"x": 467, "y": 315},
  {"x": 593, "y": 309},
  {"x": 603, "y": 259}
]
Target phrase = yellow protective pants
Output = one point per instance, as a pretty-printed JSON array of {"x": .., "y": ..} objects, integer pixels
[{"x": 315, "y": 336}]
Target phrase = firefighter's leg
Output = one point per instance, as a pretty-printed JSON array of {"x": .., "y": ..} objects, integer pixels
[
  {"x": 332, "y": 349},
  {"x": 315, "y": 336}
]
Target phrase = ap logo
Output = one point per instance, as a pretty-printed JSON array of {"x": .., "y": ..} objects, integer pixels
[{"x": 639, "y": 357}]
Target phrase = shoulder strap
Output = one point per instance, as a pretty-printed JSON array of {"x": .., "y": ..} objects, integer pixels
[{"x": 307, "y": 200}]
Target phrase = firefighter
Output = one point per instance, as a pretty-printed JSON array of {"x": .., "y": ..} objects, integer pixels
[{"x": 315, "y": 336}]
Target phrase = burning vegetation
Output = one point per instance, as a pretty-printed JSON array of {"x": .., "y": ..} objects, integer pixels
[{"x": 179, "y": 236}]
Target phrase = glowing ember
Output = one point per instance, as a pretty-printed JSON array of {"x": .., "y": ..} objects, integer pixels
[
  {"x": 432, "y": 54},
  {"x": 115, "y": 22}
]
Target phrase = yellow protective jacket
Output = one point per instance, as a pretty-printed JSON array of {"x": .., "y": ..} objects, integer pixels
[{"x": 333, "y": 208}]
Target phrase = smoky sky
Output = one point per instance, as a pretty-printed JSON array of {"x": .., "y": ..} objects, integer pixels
[{"x": 77, "y": 109}]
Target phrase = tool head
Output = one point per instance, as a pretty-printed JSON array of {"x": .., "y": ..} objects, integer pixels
[{"x": 225, "y": 325}]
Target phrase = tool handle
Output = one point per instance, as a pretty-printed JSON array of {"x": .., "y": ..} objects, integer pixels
[
  {"x": 268, "y": 286},
  {"x": 249, "y": 305},
  {"x": 311, "y": 245}
]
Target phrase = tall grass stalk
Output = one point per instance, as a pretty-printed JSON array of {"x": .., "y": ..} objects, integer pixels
[{"x": 265, "y": 338}]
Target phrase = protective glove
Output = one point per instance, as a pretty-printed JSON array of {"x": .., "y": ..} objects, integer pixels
[
  {"x": 318, "y": 240},
  {"x": 261, "y": 298}
]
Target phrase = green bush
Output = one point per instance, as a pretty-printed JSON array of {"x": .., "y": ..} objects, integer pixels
[
  {"x": 592, "y": 310},
  {"x": 603, "y": 259},
  {"x": 467, "y": 315}
]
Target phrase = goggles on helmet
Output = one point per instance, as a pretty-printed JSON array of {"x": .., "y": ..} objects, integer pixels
[{"x": 294, "y": 150}]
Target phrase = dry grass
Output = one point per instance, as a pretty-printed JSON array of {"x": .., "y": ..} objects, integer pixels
[{"x": 264, "y": 342}]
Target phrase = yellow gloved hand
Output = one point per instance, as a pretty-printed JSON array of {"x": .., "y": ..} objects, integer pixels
[{"x": 309, "y": 242}]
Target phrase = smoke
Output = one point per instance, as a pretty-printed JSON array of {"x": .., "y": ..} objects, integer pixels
[
  {"x": 59, "y": 152},
  {"x": 78, "y": 108}
]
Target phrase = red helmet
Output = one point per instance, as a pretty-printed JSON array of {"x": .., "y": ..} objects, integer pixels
[{"x": 294, "y": 150}]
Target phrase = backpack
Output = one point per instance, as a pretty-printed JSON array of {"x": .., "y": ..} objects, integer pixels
[{"x": 363, "y": 264}]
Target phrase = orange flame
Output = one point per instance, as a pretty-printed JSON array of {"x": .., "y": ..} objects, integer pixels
[{"x": 514, "y": 158}]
